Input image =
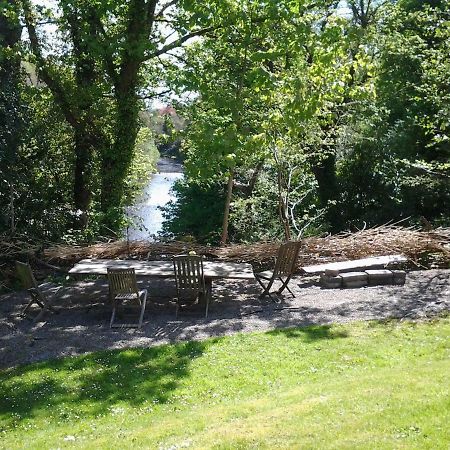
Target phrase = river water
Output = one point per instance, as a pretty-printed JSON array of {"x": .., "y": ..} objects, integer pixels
[{"x": 145, "y": 213}]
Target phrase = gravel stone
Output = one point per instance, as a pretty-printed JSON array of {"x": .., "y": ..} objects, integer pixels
[{"x": 82, "y": 324}]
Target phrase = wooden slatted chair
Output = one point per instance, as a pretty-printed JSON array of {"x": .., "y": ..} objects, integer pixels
[
  {"x": 123, "y": 291},
  {"x": 190, "y": 281},
  {"x": 25, "y": 275},
  {"x": 284, "y": 268}
]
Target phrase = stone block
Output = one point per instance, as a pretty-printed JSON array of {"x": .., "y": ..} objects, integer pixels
[
  {"x": 330, "y": 282},
  {"x": 354, "y": 279},
  {"x": 381, "y": 276},
  {"x": 399, "y": 277},
  {"x": 331, "y": 273}
]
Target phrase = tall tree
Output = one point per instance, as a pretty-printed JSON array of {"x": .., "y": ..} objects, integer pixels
[
  {"x": 228, "y": 112},
  {"x": 414, "y": 89},
  {"x": 96, "y": 80},
  {"x": 10, "y": 100}
]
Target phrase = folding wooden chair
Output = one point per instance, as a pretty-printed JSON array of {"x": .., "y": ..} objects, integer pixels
[
  {"x": 25, "y": 274},
  {"x": 284, "y": 268},
  {"x": 190, "y": 281},
  {"x": 123, "y": 290}
]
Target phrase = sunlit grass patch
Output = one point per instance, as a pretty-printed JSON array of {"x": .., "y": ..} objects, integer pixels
[{"x": 366, "y": 384}]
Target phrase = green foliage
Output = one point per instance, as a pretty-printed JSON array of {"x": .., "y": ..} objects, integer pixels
[
  {"x": 250, "y": 100},
  {"x": 324, "y": 120},
  {"x": 197, "y": 213},
  {"x": 398, "y": 165},
  {"x": 44, "y": 164},
  {"x": 146, "y": 156},
  {"x": 354, "y": 385},
  {"x": 255, "y": 217},
  {"x": 42, "y": 185}
]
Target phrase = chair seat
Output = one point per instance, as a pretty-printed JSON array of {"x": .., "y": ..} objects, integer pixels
[{"x": 130, "y": 296}]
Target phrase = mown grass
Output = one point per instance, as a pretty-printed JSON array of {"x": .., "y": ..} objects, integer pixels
[{"x": 363, "y": 385}]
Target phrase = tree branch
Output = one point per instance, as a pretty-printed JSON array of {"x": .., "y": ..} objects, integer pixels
[
  {"x": 417, "y": 165},
  {"x": 178, "y": 57},
  {"x": 151, "y": 13},
  {"x": 165, "y": 7},
  {"x": 44, "y": 71},
  {"x": 156, "y": 95},
  {"x": 140, "y": 24},
  {"x": 179, "y": 42},
  {"x": 108, "y": 60}
]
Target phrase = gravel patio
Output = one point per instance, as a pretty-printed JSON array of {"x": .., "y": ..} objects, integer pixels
[{"x": 82, "y": 324}]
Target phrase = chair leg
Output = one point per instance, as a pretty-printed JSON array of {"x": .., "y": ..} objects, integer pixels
[
  {"x": 293, "y": 295},
  {"x": 285, "y": 285},
  {"x": 266, "y": 289},
  {"x": 41, "y": 301},
  {"x": 29, "y": 304},
  {"x": 208, "y": 300},
  {"x": 208, "y": 295},
  {"x": 141, "y": 317},
  {"x": 41, "y": 313},
  {"x": 113, "y": 316}
]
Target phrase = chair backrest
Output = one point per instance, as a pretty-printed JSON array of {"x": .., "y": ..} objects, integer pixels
[
  {"x": 189, "y": 277},
  {"x": 26, "y": 276},
  {"x": 122, "y": 281},
  {"x": 287, "y": 258}
]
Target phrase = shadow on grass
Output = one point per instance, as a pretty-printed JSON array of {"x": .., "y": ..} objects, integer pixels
[
  {"x": 311, "y": 333},
  {"x": 91, "y": 385}
]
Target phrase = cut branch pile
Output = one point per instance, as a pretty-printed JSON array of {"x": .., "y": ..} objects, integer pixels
[
  {"x": 11, "y": 249},
  {"x": 68, "y": 255},
  {"x": 16, "y": 248},
  {"x": 379, "y": 241},
  {"x": 420, "y": 247}
]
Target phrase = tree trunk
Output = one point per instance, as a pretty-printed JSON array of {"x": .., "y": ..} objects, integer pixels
[
  {"x": 283, "y": 203},
  {"x": 116, "y": 159},
  {"x": 87, "y": 137},
  {"x": 325, "y": 174},
  {"x": 82, "y": 177},
  {"x": 226, "y": 214},
  {"x": 254, "y": 178},
  {"x": 12, "y": 209}
]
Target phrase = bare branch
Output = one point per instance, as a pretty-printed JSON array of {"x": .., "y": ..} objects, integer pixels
[
  {"x": 178, "y": 57},
  {"x": 164, "y": 21},
  {"x": 423, "y": 168},
  {"x": 179, "y": 42},
  {"x": 310, "y": 222},
  {"x": 155, "y": 95},
  {"x": 165, "y": 7},
  {"x": 169, "y": 35}
]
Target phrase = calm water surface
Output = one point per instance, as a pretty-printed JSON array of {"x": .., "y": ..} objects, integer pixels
[{"x": 145, "y": 213}]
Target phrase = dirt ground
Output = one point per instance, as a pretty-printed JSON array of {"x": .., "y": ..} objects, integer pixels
[{"x": 82, "y": 322}]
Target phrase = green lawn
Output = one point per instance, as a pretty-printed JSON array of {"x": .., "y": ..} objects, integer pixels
[{"x": 363, "y": 385}]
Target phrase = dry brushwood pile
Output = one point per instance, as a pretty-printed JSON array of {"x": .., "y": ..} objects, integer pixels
[
  {"x": 12, "y": 249},
  {"x": 423, "y": 248}
]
